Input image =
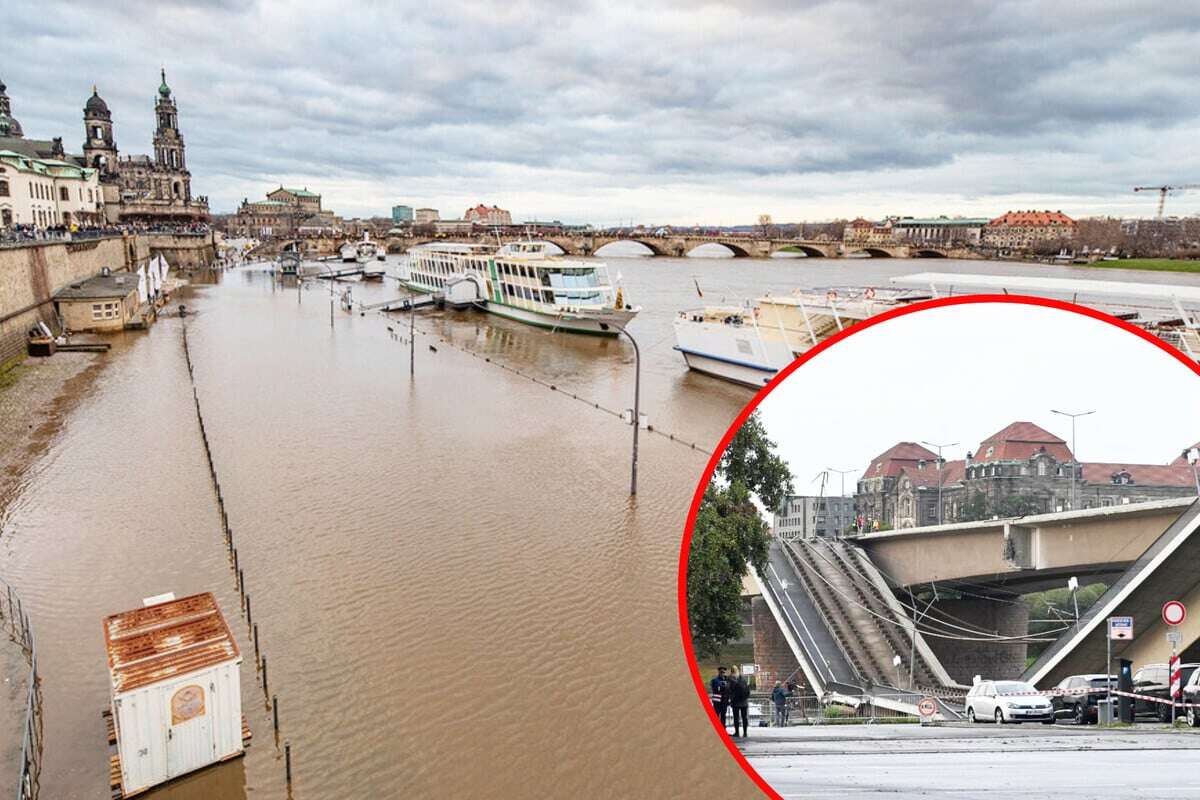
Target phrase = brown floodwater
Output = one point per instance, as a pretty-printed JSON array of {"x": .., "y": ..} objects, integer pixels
[{"x": 456, "y": 595}]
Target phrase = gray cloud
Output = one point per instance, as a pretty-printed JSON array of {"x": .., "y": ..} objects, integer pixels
[{"x": 591, "y": 111}]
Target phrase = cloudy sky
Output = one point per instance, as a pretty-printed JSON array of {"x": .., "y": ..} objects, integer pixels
[
  {"x": 670, "y": 112},
  {"x": 959, "y": 374}
]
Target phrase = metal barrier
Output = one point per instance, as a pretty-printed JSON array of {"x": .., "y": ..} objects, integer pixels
[
  {"x": 16, "y": 624},
  {"x": 814, "y": 709}
]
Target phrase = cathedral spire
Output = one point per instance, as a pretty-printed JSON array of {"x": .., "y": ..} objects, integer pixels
[{"x": 163, "y": 89}]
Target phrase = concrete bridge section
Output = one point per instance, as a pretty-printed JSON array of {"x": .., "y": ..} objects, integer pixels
[
  {"x": 1169, "y": 569},
  {"x": 1022, "y": 554},
  {"x": 846, "y": 618},
  {"x": 843, "y": 628}
]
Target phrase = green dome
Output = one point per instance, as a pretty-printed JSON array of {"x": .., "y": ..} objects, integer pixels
[{"x": 163, "y": 89}]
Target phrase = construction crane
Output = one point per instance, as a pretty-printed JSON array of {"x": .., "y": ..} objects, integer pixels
[{"x": 1162, "y": 193}]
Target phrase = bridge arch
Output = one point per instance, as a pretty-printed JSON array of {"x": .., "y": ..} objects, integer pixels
[
  {"x": 874, "y": 252},
  {"x": 808, "y": 251},
  {"x": 655, "y": 248},
  {"x": 735, "y": 250},
  {"x": 926, "y": 252}
]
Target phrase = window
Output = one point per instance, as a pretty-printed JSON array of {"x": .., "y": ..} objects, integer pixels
[
  {"x": 64, "y": 193},
  {"x": 3, "y": 188}
]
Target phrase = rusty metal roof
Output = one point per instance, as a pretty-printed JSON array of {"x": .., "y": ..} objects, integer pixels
[{"x": 148, "y": 645}]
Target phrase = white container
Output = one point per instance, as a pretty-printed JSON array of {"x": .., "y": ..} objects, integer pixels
[{"x": 175, "y": 688}]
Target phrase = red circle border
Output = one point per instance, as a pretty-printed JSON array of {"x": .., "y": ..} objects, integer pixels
[{"x": 685, "y": 545}]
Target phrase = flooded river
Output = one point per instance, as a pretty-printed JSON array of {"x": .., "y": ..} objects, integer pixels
[{"x": 456, "y": 595}]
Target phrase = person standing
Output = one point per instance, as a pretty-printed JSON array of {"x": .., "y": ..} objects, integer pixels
[
  {"x": 780, "y": 696},
  {"x": 740, "y": 702},
  {"x": 718, "y": 691}
]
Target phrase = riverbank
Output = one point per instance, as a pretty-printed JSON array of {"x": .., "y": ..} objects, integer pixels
[
  {"x": 1156, "y": 264},
  {"x": 36, "y": 395}
]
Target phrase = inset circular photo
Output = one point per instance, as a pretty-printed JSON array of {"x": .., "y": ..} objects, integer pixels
[{"x": 934, "y": 555}]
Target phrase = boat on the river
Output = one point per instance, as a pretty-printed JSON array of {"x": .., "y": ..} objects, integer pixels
[
  {"x": 750, "y": 343},
  {"x": 360, "y": 252},
  {"x": 1165, "y": 310},
  {"x": 522, "y": 282}
]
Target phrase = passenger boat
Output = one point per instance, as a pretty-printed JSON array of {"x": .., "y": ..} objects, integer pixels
[
  {"x": 748, "y": 344},
  {"x": 1165, "y": 310},
  {"x": 520, "y": 281},
  {"x": 361, "y": 252}
]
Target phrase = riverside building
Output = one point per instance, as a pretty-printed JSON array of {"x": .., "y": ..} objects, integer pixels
[
  {"x": 1021, "y": 469},
  {"x": 137, "y": 188}
]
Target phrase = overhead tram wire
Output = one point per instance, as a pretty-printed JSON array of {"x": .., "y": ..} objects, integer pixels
[
  {"x": 671, "y": 437},
  {"x": 967, "y": 626},
  {"x": 936, "y": 634}
]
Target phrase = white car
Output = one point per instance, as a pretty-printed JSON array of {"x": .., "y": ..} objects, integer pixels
[{"x": 1008, "y": 701}]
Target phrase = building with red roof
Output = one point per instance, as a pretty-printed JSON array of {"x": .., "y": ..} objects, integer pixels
[
  {"x": 488, "y": 215},
  {"x": 1021, "y": 469},
  {"x": 1024, "y": 230}
]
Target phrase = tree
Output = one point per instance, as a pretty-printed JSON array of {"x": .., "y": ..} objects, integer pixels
[
  {"x": 765, "y": 226},
  {"x": 730, "y": 535},
  {"x": 975, "y": 508}
]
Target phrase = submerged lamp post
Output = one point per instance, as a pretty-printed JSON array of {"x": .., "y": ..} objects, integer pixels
[
  {"x": 941, "y": 462},
  {"x": 1074, "y": 455},
  {"x": 637, "y": 392}
]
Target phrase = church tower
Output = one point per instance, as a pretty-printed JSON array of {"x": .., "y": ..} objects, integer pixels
[
  {"x": 99, "y": 149},
  {"x": 168, "y": 141},
  {"x": 8, "y": 124}
]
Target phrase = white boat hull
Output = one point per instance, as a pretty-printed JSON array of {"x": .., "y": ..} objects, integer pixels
[
  {"x": 732, "y": 353},
  {"x": 596, "y": 324}
]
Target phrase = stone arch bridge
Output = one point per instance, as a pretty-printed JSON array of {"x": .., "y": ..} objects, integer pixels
[{"x": 673, "y": 246}]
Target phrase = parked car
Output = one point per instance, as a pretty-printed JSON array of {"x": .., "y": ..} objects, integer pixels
[
  {"x": 1008, "y": 701},
  {"x": 1069, "y": 699},
  {"x": 1152, "y": 680},
  {"x": 1191, "y": 695}
]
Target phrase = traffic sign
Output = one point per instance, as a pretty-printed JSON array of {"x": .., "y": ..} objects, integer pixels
[
  {"x": 1120, "y": 628},
  {"x": 1174, "y": 612},
  {"x": 1174, "y": 637},
  {"x": 927, "y": 707}
]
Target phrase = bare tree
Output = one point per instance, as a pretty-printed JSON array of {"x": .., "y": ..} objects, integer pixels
[{"x": 765, "y": 226}]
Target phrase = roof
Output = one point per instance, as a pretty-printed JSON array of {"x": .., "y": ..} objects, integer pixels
[
  {"x": 1027, "y": 219},
  {"x": 298, "y": 192},
  {"x": 1162, "y": 292},
  {"x": 892, "y": 461},
  {"x": 952, "y": 472},
  {"x": 162, "y": 641},
  {"x": 1019, "y": 441},
  {"x": 1141, "y": 474},
  {"x": 115, "y": 284},
  {"x": 910, "y": 222}
]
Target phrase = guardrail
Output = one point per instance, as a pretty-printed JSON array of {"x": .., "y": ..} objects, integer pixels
[
  {"x": 16, "y": 623},
  {"x": 814, "y": 709}
]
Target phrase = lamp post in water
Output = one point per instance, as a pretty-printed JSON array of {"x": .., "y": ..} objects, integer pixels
[{"x": 637, "y": 392}]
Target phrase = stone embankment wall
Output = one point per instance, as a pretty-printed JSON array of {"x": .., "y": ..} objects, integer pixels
[{"x": 31, "y": 274}]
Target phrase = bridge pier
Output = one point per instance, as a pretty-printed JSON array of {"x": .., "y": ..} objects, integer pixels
[
  {"x": 1004, "y": 615},
  {"x": 772, "y": 653}
]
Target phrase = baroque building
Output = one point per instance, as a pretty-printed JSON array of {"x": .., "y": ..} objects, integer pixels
[
  {"x": 137, "y": 188},
  {"x": 143, "y": 188},
  {"x": 1021, "y": 469}
]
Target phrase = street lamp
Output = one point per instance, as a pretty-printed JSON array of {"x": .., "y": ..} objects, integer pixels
[
  {"x": 842, "y": 473},
  {"x": 1192, "y": 456},
  {"x": 941, "y": 463},
  {"x": 637, "y": 393},
  {"x": 1074, "y": 457}
]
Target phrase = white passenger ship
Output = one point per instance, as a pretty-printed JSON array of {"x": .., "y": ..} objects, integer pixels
[
  {"x": 749, "y": 344},
  {"x": 522, "y": 282}
]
